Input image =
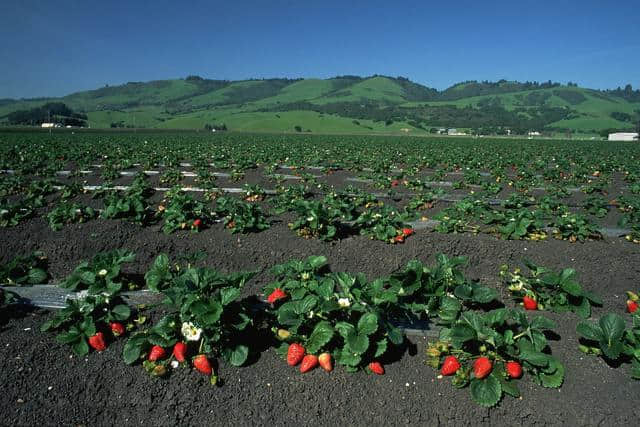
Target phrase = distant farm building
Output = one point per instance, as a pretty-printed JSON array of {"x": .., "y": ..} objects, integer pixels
[
  {"x": 623, "y": 136},
  {"x": 48, "y": 125},
  {"x": 534, "y": 133},
  {"x": 455, "y": 132}
]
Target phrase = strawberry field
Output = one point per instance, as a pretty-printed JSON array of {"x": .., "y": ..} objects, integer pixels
[{"x": 241, "y": 278}]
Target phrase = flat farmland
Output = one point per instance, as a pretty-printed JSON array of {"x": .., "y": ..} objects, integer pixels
[{"x": 391, "y": 254}]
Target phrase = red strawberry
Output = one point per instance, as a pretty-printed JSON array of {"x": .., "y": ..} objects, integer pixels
[
  {"x": 295, "y": 354},
  {"x": 156, "y": 353},
  {"x": 399, "y": 239},
  {"x": 395, "y": 183},
  {"x": 117, "y": 328},
  {"x": 482, "y": 367},
  {"x": 180, "y": 351},
  {"x": 529, "y": 303},
  {"x": 201, "y": 363},
  {"x": 97, "y": 342},
  {"x": 632, "y": 306},
  {"x": 376, "y": 368},
  {"x": 406, "y": 232},
  {"x": 197, "y": 223},
  {"x": 325, "y": 362},
  {"x": 450, "y": 365},
  {"x": 514, "y": 369},
  {"x": 276, "y": 295},
  {"x": 309, "y": 362}
]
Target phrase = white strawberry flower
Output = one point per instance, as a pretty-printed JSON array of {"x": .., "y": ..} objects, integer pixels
[
  {"x": 102, "y": 272},
  {"x": 190, "y": 331},
  {"x": 344, "y": 302}
]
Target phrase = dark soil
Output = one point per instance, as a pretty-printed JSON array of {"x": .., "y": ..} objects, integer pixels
[{"x": 43, "y": 383}]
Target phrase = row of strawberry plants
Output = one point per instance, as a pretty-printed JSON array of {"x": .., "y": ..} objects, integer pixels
[
  {"x": 326, "y": 218},
  {"x": 322, "y": 317}
]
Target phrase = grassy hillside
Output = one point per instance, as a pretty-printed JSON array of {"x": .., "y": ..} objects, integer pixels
[{"x": 349, "y": 104}]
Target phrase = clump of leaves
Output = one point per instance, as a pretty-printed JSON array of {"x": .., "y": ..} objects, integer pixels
[
  {"x": 171, "y": 176},
  {"x": 330, "y": 312},
  {"x": 69, "y": 213},
  {"x": 180, "y": 212},
  {"x": 131, "y": 205},
  {"x": 288, "y": 196},
  {"x": 316, "y": 220},
  {"x": 240, "y": 216},
  {"x": 381, "y": 223},
  {"x": 438, "y": 291},
  {"x": 575, "y": 227},
  {"x": 596, "y": 206},
  {"x": 204, "y": 310},
  {"x": 100, "y": 304},
  {"x": 254, "y": 193},
  {"x": 11, "y": 214},
  {"x": 501, "y": 336},
  {"x": 25, "y": 270},
  {"x": 611, "y": 339},
  {"x": 559, "y": 292}
]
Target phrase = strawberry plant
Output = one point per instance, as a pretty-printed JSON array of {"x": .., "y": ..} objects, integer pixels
[
  {"x": 315, "y": 219},
  {"x": 131, "y": 205},
  {"x": 171, "y": 177},
  {"x": 329, "y": 313},
  {"x": 423, "y": 201},
  {"x": 490, "y": 351},
  {"x": 575, "y": 227},
  {"x": 612, "y": 340},
  {"x": 254, "y": 193},
  {"x": 440, "y": 291},
  {"x": 11, "y": 214},
  {"x": 287, "y": 196},
  {"x": 83, "y": 322},
  {"x": 101, "y": 275},
  {"x": 596, "y": 206},
  {"x": 382, "y": 223},
  {"x": 69, "y": 213},
  {"x": 180, "y": 212},
  {"x": 559, "y": 292},
  {"x": 240, "y": 216},
  {"x": 520, "y": 224},
  {"x": 25, "y": 270},
  {"x": 204, "y": 311}
]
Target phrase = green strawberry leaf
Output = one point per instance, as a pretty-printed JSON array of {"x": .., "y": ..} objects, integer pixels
[
  {"x": 381, "y": 347},
  {"x": 121, "y": 312},
  {"x": 229, "y": 294},
  {"x": 583, "y": 309},
  {"x": 236, "y": 356},
  {"x": 554, "y": 375},
  {"x": 589, "y": 331},
  {"x": 357, "y": 343},
  {"x": 368, "y": 324},
  {"x": 510, "y": 388},
  {"x": 133, "y": 348},
  {"x": 80, "y": 347},
  {"x": 321, "y": 335},
  {"x": 487, "y": 391},
  {"x": 348, "y": 358},
  {"x": 484, "y": 294},
  {"x": 36, "y": 276}
]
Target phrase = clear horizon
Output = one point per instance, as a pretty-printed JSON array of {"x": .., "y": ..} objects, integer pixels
[{"x": 56, "y": 49}]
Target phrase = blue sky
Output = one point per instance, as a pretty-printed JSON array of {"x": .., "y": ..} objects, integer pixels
[{"x": 52, "y": 48}]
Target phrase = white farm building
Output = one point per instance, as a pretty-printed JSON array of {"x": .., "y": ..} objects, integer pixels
[{"x": 623, "y": 136}]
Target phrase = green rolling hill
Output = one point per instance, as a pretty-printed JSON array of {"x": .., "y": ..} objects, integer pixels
[{"x": 348, "y": 104}]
